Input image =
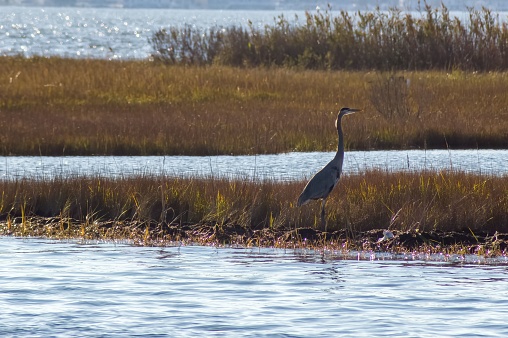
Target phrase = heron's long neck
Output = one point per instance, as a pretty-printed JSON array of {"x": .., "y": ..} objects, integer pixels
[{"x": 339, "y": 157}]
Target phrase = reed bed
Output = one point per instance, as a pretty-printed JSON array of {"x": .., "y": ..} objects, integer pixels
[
  {"x": 381, "y": 40},
  {"x": 96, "y": 107},
  {"x": 158, "y": 210}
]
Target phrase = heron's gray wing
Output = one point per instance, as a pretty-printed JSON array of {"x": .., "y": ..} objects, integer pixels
[{"x": 320, "y": 185}]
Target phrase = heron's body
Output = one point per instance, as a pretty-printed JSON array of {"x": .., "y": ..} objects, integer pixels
[{"x": 323, "y": 182}]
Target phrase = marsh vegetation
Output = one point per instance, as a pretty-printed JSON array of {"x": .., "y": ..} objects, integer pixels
[
  {"x": 422, "y": 81},
  {"x": 430, "y": 82},
  {"x": 225, "y": 211},
  {"x": 97, "y": 107},
  {"x": 429, "y": 40}
]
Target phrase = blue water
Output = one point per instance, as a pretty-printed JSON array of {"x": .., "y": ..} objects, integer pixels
[
  {"x": 289, "y": 166},
  {"x": 106, "y": 33},
  {"x": 70, "y": 289}
]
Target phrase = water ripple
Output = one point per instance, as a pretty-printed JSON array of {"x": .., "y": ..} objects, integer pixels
[
  {"x": 51, "y": 288},
  {"x": 105, "y": 33}
]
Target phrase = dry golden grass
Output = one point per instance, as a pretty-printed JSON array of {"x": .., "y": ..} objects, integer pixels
[
  {"x": 445, "y": 201},
  {"x": 446, "y": 212},
  {"x": 69, "y": 107}
]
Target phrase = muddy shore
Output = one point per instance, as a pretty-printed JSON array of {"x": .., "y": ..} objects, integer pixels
[{"x": 154, "y": 234}]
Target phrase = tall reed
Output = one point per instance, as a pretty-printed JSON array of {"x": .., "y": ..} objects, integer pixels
[{"x": 380, "y": 40}]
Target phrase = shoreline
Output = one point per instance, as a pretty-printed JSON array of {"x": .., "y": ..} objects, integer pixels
[{"x": 462, "y": 242}]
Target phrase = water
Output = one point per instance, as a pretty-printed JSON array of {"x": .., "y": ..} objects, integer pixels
[
  {"x": 289, "y": 166},
  {"x": 108, "y": 33},
  {"x": 104, "y": 32},
  {"x": 56, "y": 288}
]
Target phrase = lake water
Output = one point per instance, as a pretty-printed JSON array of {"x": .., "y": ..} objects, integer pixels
[
  {"x": 104, "y": 32},
  {"x": 109, "y": 33},
  {"x": 283, "y": 167},
  {"x": 70, "y": 289}
]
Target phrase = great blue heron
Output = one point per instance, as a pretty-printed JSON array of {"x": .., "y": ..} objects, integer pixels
[{"x": 322, "y": 183}]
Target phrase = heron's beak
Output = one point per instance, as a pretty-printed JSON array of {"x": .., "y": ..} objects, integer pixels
[{"x": 352, "y": 110}]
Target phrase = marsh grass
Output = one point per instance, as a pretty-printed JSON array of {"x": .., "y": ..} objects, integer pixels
[
  {"x": 432, "y": 39},
  {"x": 97, "y": 107},
  {"x": 157, "y": 210}
]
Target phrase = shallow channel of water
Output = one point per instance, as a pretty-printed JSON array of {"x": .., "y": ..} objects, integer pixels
[
  {"x": 288, "y": 166},
  {"x": 60, "y": 288}
]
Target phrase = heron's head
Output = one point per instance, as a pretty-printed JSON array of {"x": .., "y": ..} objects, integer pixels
[{"x": 346, "y": 111}]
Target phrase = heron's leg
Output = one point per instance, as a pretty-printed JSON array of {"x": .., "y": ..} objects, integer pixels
[{"x": 323, "y": 220}]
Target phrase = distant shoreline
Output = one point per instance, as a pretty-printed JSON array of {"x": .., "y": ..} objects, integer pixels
[{"x": 270, "y": 5}]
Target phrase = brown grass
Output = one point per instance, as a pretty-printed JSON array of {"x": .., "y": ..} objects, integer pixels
[
  {"x": 82, "y": 107},
  {"x": 383, "y": 40}
]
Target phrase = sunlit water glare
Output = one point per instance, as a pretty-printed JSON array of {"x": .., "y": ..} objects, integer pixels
[{"x": 106, "y": 33}]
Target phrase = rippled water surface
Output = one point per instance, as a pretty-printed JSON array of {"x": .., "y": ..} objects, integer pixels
[
  {"x": 105, "y": 32},
  {"x": 289, "y": 166},
  {"x": 55, "y": 288}
]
